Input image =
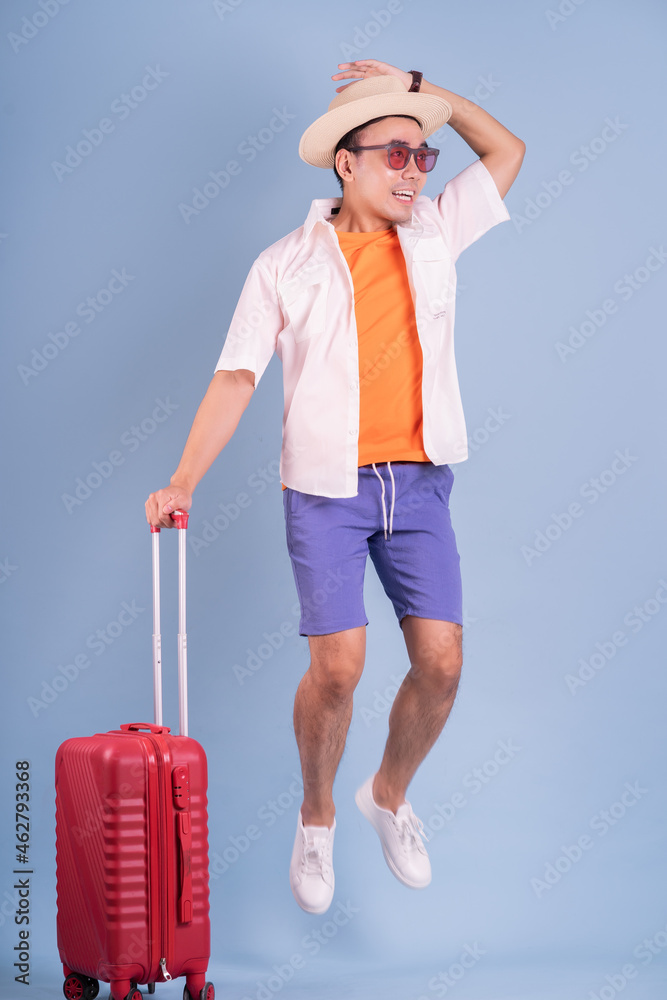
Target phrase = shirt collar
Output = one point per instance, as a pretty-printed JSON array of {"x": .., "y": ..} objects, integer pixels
[{"x": 320, "y": 210}]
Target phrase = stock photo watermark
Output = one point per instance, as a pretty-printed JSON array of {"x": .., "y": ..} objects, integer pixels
[
  {"x": 312, "y": 944},
  {"x": 364, "y": 34},
  {"x": 98, "y": 642},
  {"x": 130, "y": 440},
  {"x": 591, "y": 490},
  {"x": 248, "y": 149},
  {"x": 615, "y": 982},
  {"x": 444, "y": 981},
  {"x": 7, "y": 567},
  {"x": 565, "y": 9},
  {"x": 625, "y": 287},
  {"x": 267, "y": 815},
  {"x": 222, "y": 7},
  {"x": 606, "y": 649},
  {"x": 581, "y": 158},
  {"x": 88, "y": 310},
  {"x": 209, "y": 530},
  {"x": 334, "y": 579},
  {"x": 601, "y": 823},
  {"x": 473, "y": 782},
  {"x": 92, "y": 138},
  {"x": 32, "y": 25}
]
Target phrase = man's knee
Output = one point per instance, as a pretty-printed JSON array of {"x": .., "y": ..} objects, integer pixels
[
  {"x": 437, "y": 659},
  {"x": 337, "y": 661}
]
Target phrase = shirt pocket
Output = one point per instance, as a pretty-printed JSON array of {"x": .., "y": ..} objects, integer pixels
[
  {"x": 433, "y": 266},
  {"x": 305, "y": 300}
]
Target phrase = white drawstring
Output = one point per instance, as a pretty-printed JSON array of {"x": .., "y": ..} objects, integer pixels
[{"x": 393, "y": 497}]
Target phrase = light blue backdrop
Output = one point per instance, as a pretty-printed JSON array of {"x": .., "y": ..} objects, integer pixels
[{"x": 559, "y": 722}]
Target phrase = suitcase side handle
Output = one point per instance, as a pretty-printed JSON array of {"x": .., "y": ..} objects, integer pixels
[
  {"x": 180, "y": 519},
  {"x": 133, "y": 727}
]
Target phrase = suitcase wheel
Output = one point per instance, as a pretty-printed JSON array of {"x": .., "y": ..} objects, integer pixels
[
  {"x": 134, "y": 994},
  {"x": 207, "y": 992},
  {"x": 78, "y": 987}
]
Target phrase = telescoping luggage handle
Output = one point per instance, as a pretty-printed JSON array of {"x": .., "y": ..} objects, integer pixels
[{"x": 180, "y": 518}]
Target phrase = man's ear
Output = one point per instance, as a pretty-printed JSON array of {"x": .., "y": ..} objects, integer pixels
[{"x": 343, "y": 161}]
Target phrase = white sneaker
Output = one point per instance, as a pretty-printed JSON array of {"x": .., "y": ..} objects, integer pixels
[
  {"x": 400, "y": 837},
  {"x": 311, "y": 873}
]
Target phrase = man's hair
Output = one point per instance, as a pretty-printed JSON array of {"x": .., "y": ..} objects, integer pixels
[{"x": 354, "y": 138}]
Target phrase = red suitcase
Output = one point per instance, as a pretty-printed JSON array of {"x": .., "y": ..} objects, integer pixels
[{"x": 132, "y": 845}]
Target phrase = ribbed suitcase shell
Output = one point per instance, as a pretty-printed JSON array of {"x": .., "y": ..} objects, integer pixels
[
  {"x": 132, "y": 844},
  {"x": 120, "y": 867}
]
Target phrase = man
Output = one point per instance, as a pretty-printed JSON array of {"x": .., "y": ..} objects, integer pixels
[{"x": 359, "y": 305}]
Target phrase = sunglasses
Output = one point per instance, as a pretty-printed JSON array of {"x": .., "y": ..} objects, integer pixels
[{"x": 398, "y": 156}]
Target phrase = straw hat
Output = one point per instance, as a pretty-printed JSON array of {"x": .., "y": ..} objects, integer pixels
[{"x": 373, "y": 97}]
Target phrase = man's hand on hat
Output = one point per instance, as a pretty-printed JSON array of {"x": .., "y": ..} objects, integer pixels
[{"x": 361, "y": 69}]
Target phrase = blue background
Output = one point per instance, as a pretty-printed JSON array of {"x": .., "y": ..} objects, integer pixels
[{"x": 552, "y": 79}]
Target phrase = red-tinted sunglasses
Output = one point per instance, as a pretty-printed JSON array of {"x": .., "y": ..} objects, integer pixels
[{"x": 398, "y": 156}]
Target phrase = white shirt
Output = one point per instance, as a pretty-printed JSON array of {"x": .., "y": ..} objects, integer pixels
[{"x": 298, "y": 300}]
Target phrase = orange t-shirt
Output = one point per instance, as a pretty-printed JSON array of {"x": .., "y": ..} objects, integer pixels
[{"x": 390, "y": 355}]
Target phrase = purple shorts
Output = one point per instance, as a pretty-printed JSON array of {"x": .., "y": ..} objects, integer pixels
[{"x": 405, "y": 527}]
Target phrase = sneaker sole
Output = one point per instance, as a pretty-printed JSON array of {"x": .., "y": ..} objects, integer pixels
[
  {"x": 365, "y": 809},
  {"x": 310, "y": 909}
]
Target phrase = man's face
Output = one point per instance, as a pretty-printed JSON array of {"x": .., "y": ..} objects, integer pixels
[{"x": 375, "y": 184}]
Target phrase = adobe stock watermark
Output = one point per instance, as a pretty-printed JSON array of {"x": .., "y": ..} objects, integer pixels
[
  {"x": 98, "y": 642},
  {"x": 130, "y": 440},
  {"x": 31, "y": 26},
  {"x": 222, "y": 7},
  {"x": 9, "y": 905},
  {"x": 268, "y": 814},
  {"x": 496, "y": 418},
  {"x": 615, "y": 982},
  {"x": 122, "y": 107},
  {"x": 606, "y": 650},
  {"x": 312, "y": 944},
  {"x": 364, "y": 34},
  {"x": 565, "y": 9},
  {"x": 444, "y": 981},
  {"x": 591, "y": 490},
  {"x": 257, "y": 483},
  {"x": 625, "y": 287},
  {"x": 271, "y": 641},
  {"x": 248, "y": 149},
  {"x": 473, "y": 782},
  {"x": 581, "y": 158},
  {"x": 88, "y": 310},
  {"x": 7, "y": 567},
  {"x": 601, "y": 823}
]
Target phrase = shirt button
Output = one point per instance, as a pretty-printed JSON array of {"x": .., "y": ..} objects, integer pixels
[
  {"x": 354, "y": 385},
  {"x": 351, "y": 433},
  {"x": 412, "y": 241}
]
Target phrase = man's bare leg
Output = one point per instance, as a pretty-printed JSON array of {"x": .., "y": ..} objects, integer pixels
[
  {"x": 322, "y": 714},
  {"x": 421, "y": 706}
]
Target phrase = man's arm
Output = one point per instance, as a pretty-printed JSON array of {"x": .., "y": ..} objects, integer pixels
[
  {"x": 500, "y": 150},
  {"x": 216, "y": 420}
]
